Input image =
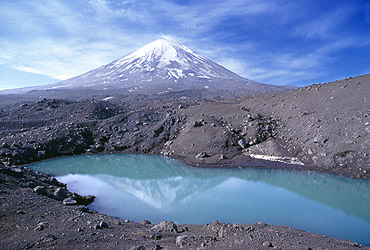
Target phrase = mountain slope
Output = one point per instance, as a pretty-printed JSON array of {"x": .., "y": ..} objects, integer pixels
[{"x": 166, "y": 65}]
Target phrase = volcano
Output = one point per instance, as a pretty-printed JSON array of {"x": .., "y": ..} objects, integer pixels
[{"x": 159, "y": 67}]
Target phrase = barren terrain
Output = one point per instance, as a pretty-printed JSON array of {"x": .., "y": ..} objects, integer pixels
[{"x": 322, "y": 127}]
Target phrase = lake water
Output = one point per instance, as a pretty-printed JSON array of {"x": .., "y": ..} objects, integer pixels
[{"x": 138, "y": 187}]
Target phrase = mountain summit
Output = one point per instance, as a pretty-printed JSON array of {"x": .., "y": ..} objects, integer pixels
[{"x": 159, "y": 67}]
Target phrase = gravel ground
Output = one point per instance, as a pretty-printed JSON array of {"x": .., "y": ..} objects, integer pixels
[{"x": 322, "y": 127}]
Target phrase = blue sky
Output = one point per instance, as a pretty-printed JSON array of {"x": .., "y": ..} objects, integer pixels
[{"x": 273, "y": 41}]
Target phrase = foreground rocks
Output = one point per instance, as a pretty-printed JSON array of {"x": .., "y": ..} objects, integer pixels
[{"x": 29, "y": 220}]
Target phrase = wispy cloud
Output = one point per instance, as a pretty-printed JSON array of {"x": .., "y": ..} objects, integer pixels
[
  {"x": 324, "y": 25},
  {"x": 270, "y": 41}
]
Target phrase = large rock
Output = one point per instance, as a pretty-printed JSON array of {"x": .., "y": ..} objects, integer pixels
[
  {"x": 40, "y": 190},
  {"x": 69, "y": 202},
  {"x": 202, "y": 155},
  {"x": 60, "y": 194},
  {"x": 180, "y": 240},
  {"x": 242, "y": 143},
  {"x": 320, "y": 139},
  {"x": 166, "y": 226}
]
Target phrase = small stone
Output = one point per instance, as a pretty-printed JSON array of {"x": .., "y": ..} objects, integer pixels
[
  {"x": 242, "y": 143},
  {"x": 157, "y": 247},
  {"x": 49, "y": 238},
  {"x": 180, "y": 240},
  {"x": 53, "y": 180},
  {"x": 40, "y": 190},
  {"x": 267, "y": 244},
  {"x": 21, "y": 212},
  {"x": 262, "y": 223},
  {"x": 39, "y": 228},
  {"x": 69, "y": 202},
  {"x": 223, "y": 157},
  {"x": 145, "y": 222},
  {"x": 41, "y": 153},
  {"x": 103, "y": 224},
  {"x": 202, "y": 155}
]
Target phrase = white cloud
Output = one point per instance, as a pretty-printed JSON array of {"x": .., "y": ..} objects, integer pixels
[{"x": 324, "y": 25}]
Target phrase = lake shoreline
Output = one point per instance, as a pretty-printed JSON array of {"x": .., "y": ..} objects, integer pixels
[
  {"x": 234, "y": 163},
  {"x": 40, "y": 221}
]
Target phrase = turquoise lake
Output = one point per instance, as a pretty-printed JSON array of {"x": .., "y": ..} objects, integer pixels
[{"x": 156, "y": 188}]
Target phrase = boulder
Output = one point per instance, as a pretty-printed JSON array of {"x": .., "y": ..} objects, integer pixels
[
  {"x": 40, "y": 190},
  {"x": 180, "y": 240},
  {"x": 145, "y": 222},
  {"x": 242, "y": 143},
  {"x": 202, "y": 155},
  {"x": 103, "y": 224},
  {"x": 60, "y": 194},
  {"x": 320, "y": 139},
  {"x": 165, "y": 226},
  {"x": 69, "y": 202},
  {"x": 267, "y": 244}
]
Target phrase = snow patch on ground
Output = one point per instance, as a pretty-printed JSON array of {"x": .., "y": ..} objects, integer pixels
[
  {"x": 107, "y": 98},
  {"x": 58, "y": 87},
  {"x": 289, "y": 160}
]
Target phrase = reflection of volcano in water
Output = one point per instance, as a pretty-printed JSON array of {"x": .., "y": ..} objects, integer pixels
[
  {"x": 163, "y": 182},
  {"x": 162, "y": 193},
  {"x": 140, "y": 187}
]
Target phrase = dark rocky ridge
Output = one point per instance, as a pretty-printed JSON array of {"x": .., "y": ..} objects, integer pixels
[{"x": 324, "y": 127}]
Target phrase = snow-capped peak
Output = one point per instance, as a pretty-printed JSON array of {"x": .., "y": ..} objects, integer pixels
[
  {"x": 162, "y": 51},
  {"x": 159, "y": 67},
  {"x": 166, "y": 60},
  {"x": 160, "y": 63}
]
